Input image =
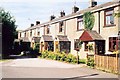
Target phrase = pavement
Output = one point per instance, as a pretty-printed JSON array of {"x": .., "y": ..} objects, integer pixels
[
  {"x": 36, "y": 62},
  {"x": 42, "y": 68}
]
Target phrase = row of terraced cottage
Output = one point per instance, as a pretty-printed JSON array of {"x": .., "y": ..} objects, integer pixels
[{"x": 63, "y": 33}]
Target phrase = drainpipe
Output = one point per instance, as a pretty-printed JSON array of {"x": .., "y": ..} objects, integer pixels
[
  {"x": 44, "y": 30},
  {"x": 64, "y": 27},
  {"x": 99, "y": 22}
]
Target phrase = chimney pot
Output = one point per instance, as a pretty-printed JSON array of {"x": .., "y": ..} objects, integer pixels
[
  {"x": 37, "y": 22},
  {"x": 52, "y": 17},
  {"x": 32, "y": 25},
  {"x": 93, "y": 3},
  {"x": 62, "y": 13},
  {"x": 75, "y": 9}
]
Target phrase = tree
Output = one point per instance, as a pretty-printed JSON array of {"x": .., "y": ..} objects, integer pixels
[
  {"x": 88, "y": 20},
  {"x": 8, "y": 32},
  {"x": 117, "y": 14}
]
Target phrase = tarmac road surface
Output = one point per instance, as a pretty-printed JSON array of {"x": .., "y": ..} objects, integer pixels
[{"x": 42, "y": 68}]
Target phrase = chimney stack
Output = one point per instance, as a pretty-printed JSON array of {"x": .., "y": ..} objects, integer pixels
[
  {"x": 52, "y": 17},
  {"x": 93, "y": 3},
  {"x": 32, "y": 25},
  {"x": 62, "y": 13},
  {"x": 75, "y": 9},
  {"x": 37, "y": 22}
]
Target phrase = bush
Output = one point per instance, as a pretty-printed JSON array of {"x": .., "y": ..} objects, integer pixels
[
  {"x": 60, "y": 57},
  {"x": 63, "y": 57},
  {"x": 90, "y": 62},
  {"x": 83, "y": 61},
  {"x": 69, "y": 58},
  {"x": 45, "y": 54}
]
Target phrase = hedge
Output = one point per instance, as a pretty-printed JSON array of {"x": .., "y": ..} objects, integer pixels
[{"x": 61, "y": 57}]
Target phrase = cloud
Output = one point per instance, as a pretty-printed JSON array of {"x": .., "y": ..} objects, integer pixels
[{"x": 28, "y": 11}]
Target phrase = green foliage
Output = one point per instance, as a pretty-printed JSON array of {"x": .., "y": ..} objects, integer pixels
[
  {"x": 90, "y": 62},
  {"x": 61, "y": 57},
  {"x": 88, "y": 19},
  {"x": 36, "y": 47},
  {"x": 8, "y": 32},
  {"x": 90, "y": 47},
  {"x": 117, "y": 14},
  {"x": 83, "y": 61},
  {"x": 80, "y": 44}
]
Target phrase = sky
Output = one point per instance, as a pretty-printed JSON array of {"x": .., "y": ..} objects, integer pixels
[{"x": 26, "y": 12}]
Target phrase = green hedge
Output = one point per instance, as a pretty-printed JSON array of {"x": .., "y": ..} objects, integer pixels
[
  {"x": 61, "y": 57},
  {"x": 90, "y": 62}
]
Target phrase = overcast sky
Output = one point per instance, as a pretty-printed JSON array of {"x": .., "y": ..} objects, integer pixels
[{"x": 29, "y": 11}]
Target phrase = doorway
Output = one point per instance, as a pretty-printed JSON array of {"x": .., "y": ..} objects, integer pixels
[{"x": 100, "y": 47}]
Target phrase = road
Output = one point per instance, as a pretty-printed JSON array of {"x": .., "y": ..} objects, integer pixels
[{"x": 41, "y": 68}]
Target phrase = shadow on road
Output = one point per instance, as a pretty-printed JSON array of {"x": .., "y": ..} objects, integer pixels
[
  {"x": 87, "y": 77},
  {"x": 74, "y": 78},
  {"x": 59, "y": 79},
  {"x": 20, "y": 57}
]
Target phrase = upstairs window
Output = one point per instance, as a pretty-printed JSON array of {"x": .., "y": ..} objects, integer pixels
[
  {"x": 109, "y": 18},
  {"x": 113, "y": 43},
  {"x": 48, "y": 29},
  {"x": 38, "y": 33},
  {"x": 25, "y": 34},
  {"x": 80, "y": 25},
  {"x": 31, "y": 33},
  {"x": 20, "y": 35},
  {"x": 61, "y": 24}
]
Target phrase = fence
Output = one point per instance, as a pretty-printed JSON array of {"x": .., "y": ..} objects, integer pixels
[{"x": 107, "y": 62}]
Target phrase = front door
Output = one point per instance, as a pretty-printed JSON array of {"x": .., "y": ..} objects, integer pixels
[
  {"x": 100, "y": 47},
  {"x": 50, "y": 46}
]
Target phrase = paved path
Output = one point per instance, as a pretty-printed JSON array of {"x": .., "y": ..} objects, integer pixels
[{"x": 41, "y": 68}]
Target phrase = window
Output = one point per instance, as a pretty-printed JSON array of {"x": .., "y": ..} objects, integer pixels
[
  {"x": 25, "y": 34},
  {"x": 109, "y": 18},
  {"x": 31, "y": 33},
  {"x": 20, "y": 35},
  {"x": 61, "y": 24},
  {"x": 38, "y": 33},
  {"x": 76, "y": 46},
  {"x": 86, "y": 46},
  {"x": 80, "y": 25},
  {"x": 48, "y": 29},
  {"x": 113, "y": 43},
  {"x": 65, "y": 46}
]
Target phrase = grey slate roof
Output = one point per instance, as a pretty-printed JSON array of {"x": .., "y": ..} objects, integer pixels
[
  {"x": 36, "y": 39},
  {"x": 62, "y": 38},
  {"x": 16, "y": 40},
  {"x": 95, "y": 35},
  {"x": 92, "y": 9},
  {"x": 47, "y": 38},
  {"x": 25, "y": 39}
]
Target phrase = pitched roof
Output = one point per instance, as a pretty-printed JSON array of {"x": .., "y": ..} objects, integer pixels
[
  {"x": 16, "y": 40},
  {"x": 36, "y": 39},
  {"x": 47, "y": 38},
  {"x": 92, "y": 9},
  {"x": 25, "y": 39},
  {"x": 96, "y": 8},
  {"x": 90, "y": 36},
  {"x": 62, "y": 38}
]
